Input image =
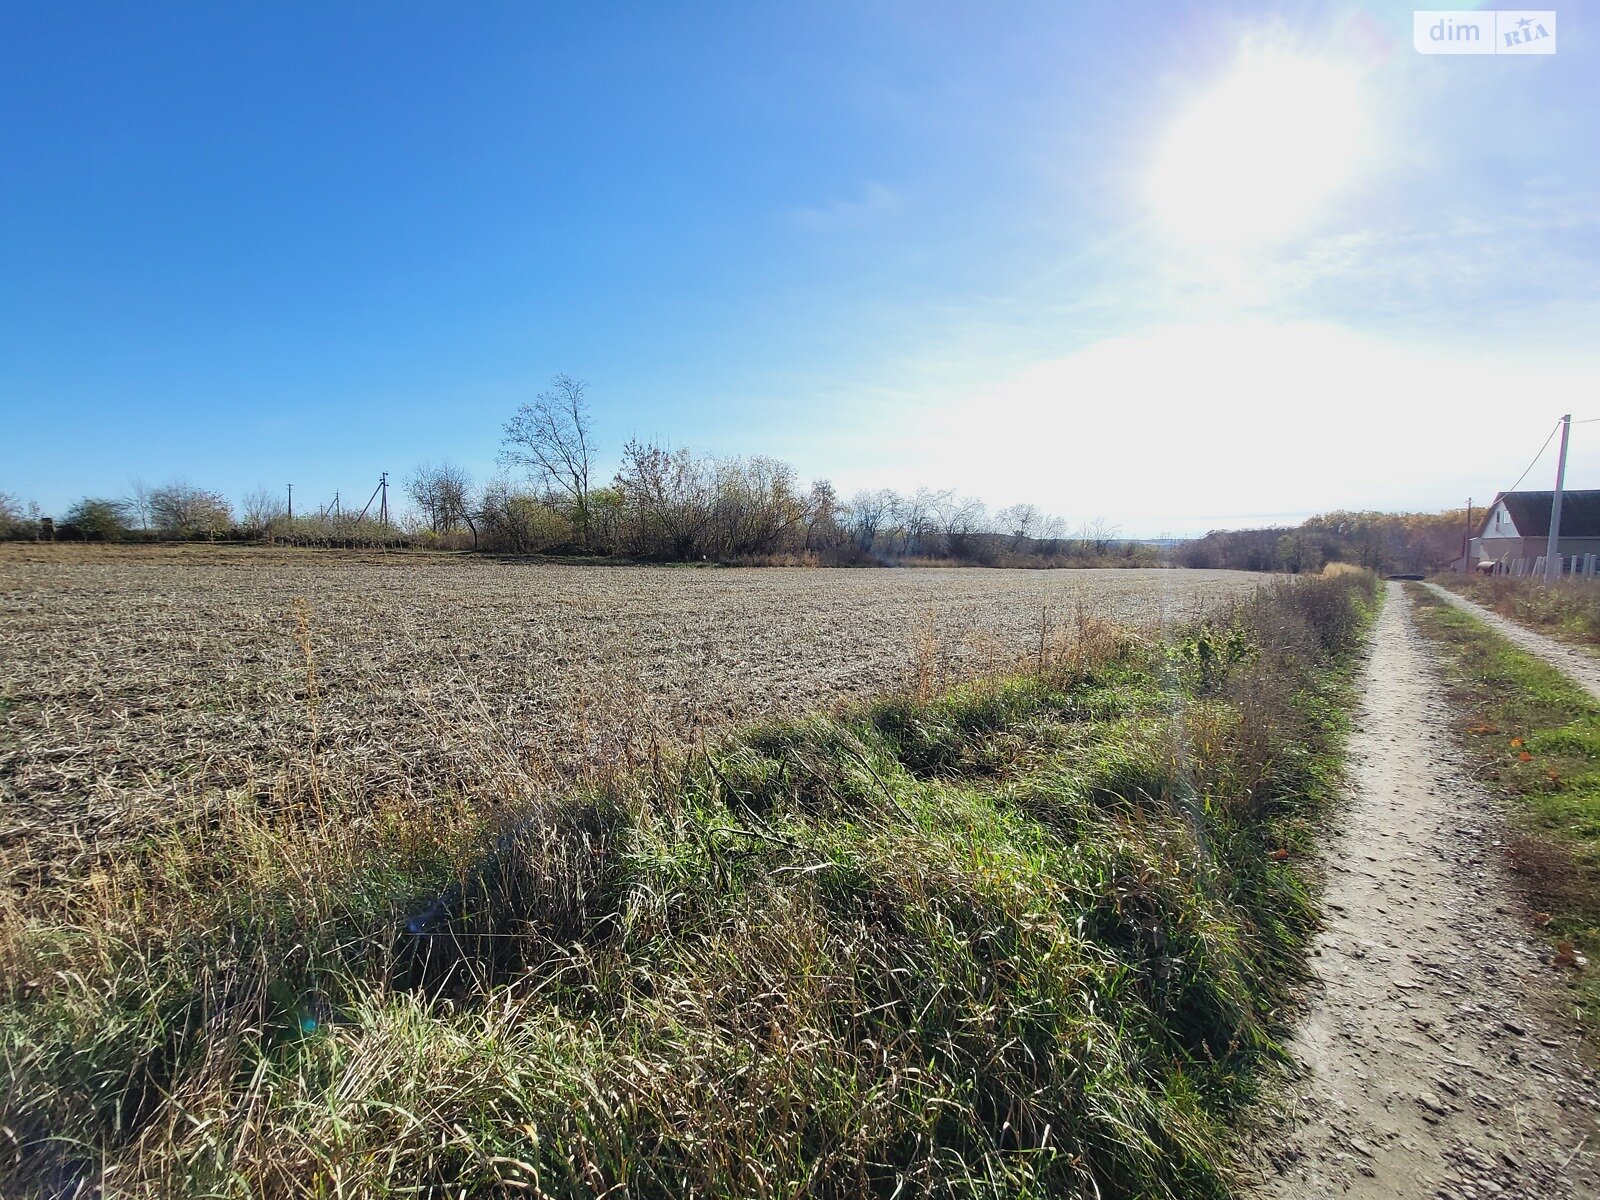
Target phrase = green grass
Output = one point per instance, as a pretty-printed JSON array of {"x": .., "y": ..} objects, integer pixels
[
  {"x": 1029, "y": 938},
  {"x": 1518, "y": 706}
]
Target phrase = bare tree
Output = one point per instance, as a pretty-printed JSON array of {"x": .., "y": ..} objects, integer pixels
[
  {"x": 260, "y": 509},
  {"x": 137, "y": 502},
  {"x": 960, "y": 519},
  {"x": 917, "y": 517},
  {"x": 1096, "y": 536},
  {"x": 1047, "y": 535},
  {"x": 553, "y": 440},
  {"x": 444, "y": 494},
  {"x": 1020, "y": 522},
  {"x": 821, "y": 513},
  {"x": 867, "y": 514},
  {"x": 670, "y": 498}
]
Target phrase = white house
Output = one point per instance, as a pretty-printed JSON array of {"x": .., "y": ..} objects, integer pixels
[{"x": 1517, "y": 525}]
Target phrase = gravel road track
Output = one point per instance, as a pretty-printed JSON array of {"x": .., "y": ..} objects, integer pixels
[{"x": 1436, "y": 1058}]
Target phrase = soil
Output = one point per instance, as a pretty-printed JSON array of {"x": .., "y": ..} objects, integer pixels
[
  {"x": 1436, "y": 1057},
  {"x": 147, "y": 687}
]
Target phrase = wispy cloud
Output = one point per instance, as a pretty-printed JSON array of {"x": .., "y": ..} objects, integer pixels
[
  {"x": 1524, "y": 271},
  {"x": 875, "y": 202}
]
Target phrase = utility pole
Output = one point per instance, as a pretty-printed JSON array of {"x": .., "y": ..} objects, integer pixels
[
  {"x": 291, "y": 502},
  {"x": 1466, "y": 542},
  {"x": 1552, "y": 557},
  {"x": 383, "y": 505}
]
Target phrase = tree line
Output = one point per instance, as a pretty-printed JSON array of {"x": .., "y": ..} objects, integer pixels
[
  {"x": 1389, "y": 543},
  {"x": 174, "y": 511},
  {"x": 670, "y": 504},
  {"x": 660, "y": 504}
]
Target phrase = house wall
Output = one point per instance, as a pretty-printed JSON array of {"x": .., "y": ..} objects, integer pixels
[
  {"x": 1499, "y": 525},
  {"x": 1497, "y": 548}
]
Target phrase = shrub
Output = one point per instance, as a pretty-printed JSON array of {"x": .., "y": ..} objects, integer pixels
[
  {"x": 18, "y": 520},
  {"x": 95, "y": 520},
  {"x": 182, "y": 511},
  {"x": 517, "y": 523}
]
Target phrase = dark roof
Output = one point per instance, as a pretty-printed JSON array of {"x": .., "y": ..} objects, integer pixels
[{"x": 1580, "y": 513}]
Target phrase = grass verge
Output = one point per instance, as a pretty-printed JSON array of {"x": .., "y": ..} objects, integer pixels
[
  {"x": 1536, "y": 736},
  {"x": 1031, "y": 937},
  {"x": 1569, "y": 609}
]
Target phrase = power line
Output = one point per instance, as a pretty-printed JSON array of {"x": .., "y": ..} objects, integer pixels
[{"x": 1536, "y": 457}]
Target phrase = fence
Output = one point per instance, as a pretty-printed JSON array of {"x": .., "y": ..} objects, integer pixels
[{"x": 1574, "y": 566}]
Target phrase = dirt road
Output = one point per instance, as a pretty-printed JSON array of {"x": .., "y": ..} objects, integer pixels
[
  {"x": 1582, "y": 668},
  {"x": 1437, "y": 1059}
]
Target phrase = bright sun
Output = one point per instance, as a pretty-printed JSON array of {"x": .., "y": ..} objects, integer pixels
[{"x": 1251, "y": 161}]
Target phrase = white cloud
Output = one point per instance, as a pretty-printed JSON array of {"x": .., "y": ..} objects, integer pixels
[{"x": 876, "y": 201}]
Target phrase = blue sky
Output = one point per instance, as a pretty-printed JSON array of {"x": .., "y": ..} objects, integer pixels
[{"x": 892, "y": 243}]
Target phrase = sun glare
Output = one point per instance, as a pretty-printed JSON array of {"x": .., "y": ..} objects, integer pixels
[{"x": 1253, "y": 160}]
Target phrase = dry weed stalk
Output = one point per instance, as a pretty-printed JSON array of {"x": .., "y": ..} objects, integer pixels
[
  {"x": 303, "y": 639},
  {"x": 927, "y": 646}
]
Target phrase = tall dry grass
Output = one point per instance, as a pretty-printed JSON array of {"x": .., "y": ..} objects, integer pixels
[{"x": 1568, "y": 608}]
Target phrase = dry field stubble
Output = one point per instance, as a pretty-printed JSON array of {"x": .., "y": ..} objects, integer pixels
[{"x": 152, "y": 690}]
